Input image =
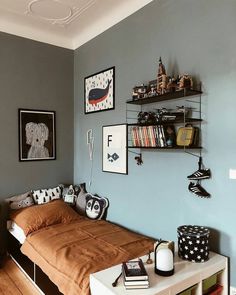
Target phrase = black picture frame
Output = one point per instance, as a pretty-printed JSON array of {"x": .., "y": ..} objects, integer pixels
[
  {"x": 114, "y": 149},
  {"x": 99, "y": 91},
  {"x": 37, "y": 135}
]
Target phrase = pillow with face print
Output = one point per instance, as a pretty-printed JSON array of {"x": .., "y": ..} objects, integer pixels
[{"x": 96, "y": 206}]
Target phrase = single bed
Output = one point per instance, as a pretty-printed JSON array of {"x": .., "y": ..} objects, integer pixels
[{"x": 65, "y": 248}]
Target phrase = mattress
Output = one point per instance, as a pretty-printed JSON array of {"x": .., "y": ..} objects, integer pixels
[{"x": 16, "y": 231}]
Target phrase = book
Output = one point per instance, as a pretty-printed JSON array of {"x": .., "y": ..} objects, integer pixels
[
  {"x": 134, "y": 270},
  {"x": 136, "y": 282},
  {"x": 137, "y": 287}
]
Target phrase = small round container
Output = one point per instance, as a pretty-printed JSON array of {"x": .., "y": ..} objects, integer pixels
[{"x": 193, "y": 243}]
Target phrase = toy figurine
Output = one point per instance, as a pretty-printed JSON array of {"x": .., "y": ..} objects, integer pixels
[
  {"x": 161, "y": 78},
  {"x": 185, "y": 81},
  {"x": 139, "y": 92}
]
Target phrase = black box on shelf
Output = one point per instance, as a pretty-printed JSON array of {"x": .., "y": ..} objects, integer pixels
[{"x": 193, "y": 243}]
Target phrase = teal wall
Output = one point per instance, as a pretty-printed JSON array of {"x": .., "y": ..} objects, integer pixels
[{"x": 195, "y": 37}]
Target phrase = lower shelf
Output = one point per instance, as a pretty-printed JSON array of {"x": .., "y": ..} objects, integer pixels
[{"x": 165, "y": 147}]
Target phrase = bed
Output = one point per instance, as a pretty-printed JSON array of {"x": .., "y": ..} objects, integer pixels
[{"x": 59, "y": 249}]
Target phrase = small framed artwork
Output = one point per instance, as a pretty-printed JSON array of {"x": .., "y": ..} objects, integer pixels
[
  {"x": 114, "y": 151},
  {"x": 99, "y": 91},
  {"x": 37, "y": 135}
]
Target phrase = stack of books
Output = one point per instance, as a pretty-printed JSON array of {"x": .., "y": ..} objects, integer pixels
[
  {"x": 135, "y": 275},
  {"x": 152, "y": 136}
]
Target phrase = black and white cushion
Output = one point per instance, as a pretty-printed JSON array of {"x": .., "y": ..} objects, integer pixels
[
  {"x": 43, "y": 196},
  {"x": 96, "y": 206}
]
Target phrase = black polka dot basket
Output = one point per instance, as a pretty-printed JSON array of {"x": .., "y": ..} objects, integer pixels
[{"x": 193, "y": 243}]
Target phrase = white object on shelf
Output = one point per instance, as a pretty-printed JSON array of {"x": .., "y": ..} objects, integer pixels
[{"x": 187, "y": 274}]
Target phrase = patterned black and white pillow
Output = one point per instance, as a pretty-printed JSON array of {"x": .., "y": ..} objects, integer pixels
[
  {"x": 43, "y": 196},
  {"x": 96, "y": 206}
]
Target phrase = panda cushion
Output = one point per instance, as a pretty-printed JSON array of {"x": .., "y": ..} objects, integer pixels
[{"x": 96, "y": 206}]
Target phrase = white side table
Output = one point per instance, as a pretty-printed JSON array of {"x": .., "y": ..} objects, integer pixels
[{"x": 187, "y": 274}]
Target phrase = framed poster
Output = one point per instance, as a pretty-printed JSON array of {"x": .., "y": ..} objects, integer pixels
[
  {"x": 37, "y": 135},
  {"x": 99, "y": 91},
  {"x": 114, "y": 151}
]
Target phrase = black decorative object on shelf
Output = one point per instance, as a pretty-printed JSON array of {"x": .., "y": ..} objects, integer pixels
[{"x": 193, "y": 243}]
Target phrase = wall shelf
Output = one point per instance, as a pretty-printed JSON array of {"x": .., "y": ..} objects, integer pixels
[
  {"x": 166, "y": 96},
  {"x": 140, "y": 137},
  {"x": 168, "y": 122},
  {"x": 165, "y": 147}
]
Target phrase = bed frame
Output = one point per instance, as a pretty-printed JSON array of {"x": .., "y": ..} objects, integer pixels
[{"x": 33, "y": 272}]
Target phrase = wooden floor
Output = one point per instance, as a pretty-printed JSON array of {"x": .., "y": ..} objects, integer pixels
[{"x": 13, "y": 281}]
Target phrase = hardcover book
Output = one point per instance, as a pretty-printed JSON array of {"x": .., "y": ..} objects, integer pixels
[
  {"x": 137, "y": 287},
  {"x": 134, "y": 270},
  {"x": 144, "y": 283}
]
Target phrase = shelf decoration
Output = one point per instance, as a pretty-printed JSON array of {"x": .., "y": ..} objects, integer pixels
[
  {"x": 114, "y": 157},
  {"x": 99, "y": 91},
  {"x": 163, "y": 85},
  {"x": 161, "y": 78}
]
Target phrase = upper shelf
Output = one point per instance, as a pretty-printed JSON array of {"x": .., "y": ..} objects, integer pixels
[{"x": 165, "y": 96}]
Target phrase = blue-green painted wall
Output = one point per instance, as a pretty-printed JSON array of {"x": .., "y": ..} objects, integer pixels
[{"x": 195, "y": 37}]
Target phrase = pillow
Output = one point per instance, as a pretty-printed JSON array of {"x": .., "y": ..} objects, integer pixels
[
  {"x": 42, "y": 196},
  {"x": 27, "y": 202},
  {"x": 81, "y": 200},
  {"x": 20, "y": 201},
  {"x": 35, "y": 217},
  {"x": 71, "y": 192},
  {"x": 96, "y": 206}
]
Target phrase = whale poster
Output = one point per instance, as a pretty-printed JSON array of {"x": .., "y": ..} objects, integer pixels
[
  {"x": 114, "y": 149},
  {"x": 99, "y": 91}
]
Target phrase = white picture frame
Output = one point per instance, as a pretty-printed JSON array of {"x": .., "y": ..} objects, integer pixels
[{"x": 114, "y": 149}]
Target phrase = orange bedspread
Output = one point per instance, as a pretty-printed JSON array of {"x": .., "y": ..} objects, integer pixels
[{"x": 68, "y": 253}]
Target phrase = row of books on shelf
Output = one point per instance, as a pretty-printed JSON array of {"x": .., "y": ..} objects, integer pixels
[
  {"x": 153, "y": 136},
  {"x": 135, "y": 275}
]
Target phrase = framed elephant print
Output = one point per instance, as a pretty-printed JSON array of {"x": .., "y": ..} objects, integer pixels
[{"x": 37, "y": 135}]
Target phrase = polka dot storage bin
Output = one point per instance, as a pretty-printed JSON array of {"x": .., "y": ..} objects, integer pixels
[{"x": 193, "y": 243}]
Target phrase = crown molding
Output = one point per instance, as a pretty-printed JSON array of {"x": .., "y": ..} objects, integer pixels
[{"x": 73, "y": 31}]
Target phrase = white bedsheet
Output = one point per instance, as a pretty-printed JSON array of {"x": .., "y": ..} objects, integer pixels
[{"x": 16, "y": 231}]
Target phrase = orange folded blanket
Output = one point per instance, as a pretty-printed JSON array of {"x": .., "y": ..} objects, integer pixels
[{"x": 69, "y": 253}]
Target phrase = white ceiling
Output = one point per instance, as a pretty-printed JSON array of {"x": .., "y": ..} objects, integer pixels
[{"x": 65, "y": 23}]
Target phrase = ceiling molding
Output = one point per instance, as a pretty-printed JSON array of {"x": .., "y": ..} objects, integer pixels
[
  {"x": 35, "y": 34},
  {"x": 64, "y": 23},
  {"x": 71, "y": 12}
]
